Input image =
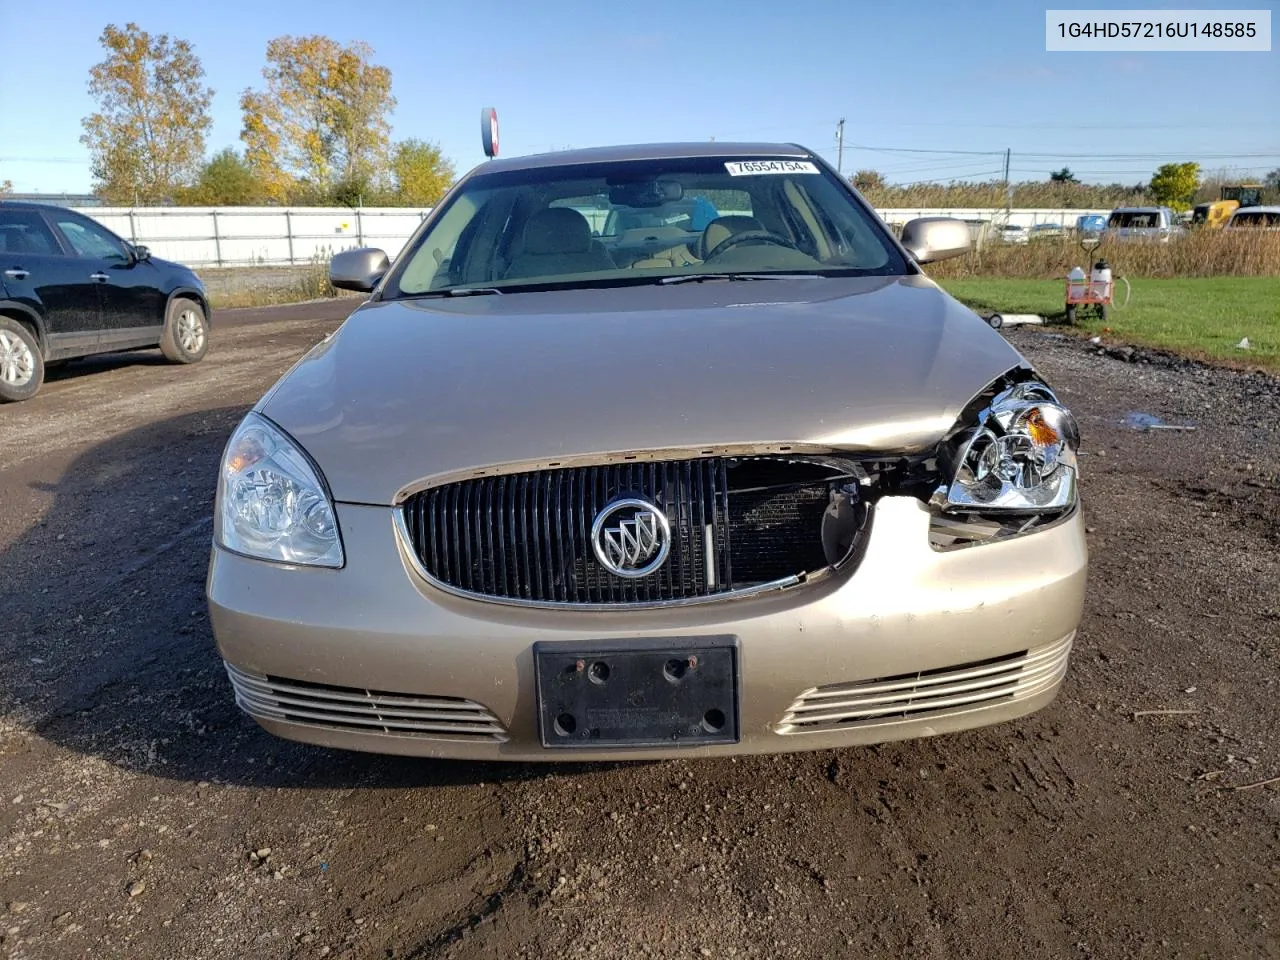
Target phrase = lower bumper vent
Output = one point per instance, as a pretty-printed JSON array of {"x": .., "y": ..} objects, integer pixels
[
  {"x": 913, "y": 696},
  {"x": 363, "y": 711}
]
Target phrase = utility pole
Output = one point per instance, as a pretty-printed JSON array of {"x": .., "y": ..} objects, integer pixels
[
  {"x": 840, "y": 147},
  {"x": 1008, "y": 191}
]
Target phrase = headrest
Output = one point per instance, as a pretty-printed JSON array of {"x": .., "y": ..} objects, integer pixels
[{"x": 557, "y": 230}]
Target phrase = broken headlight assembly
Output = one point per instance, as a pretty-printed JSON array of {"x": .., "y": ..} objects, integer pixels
[{"x": 1012, "y": 467}]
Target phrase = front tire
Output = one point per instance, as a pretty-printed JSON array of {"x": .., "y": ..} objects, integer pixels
[
  {"x": 21, "y": 365},
  {"x": 186, "y": 332}
]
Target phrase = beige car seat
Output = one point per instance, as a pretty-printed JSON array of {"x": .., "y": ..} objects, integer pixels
[{"x": 557, "y": 241}]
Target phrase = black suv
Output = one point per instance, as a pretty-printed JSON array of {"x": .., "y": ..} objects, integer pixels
[{"x": 69, "y": 287}]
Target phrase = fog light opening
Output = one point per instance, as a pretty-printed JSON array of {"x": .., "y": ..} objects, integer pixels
[{"x": 713, "y": 720}]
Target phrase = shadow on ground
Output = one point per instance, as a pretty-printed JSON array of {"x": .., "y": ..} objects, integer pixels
[{"x": 82, "y": 367}]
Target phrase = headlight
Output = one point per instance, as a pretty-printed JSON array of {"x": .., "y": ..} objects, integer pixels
[
  {"x": 272, "y": 504},
  {"x": 1020, "y": 457}
]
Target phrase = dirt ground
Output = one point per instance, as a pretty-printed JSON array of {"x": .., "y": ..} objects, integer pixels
[{"x": 142, "y": 816}]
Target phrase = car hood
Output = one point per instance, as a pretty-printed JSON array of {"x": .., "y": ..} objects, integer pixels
[
  {"x": 407, "y": 390},
  {"x": 178, "y": 271}
]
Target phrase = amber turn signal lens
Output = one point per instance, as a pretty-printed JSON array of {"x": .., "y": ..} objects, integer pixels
[{"x": 1038, "y": 429}]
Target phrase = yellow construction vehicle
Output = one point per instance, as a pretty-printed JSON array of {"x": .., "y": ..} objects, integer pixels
[
  {"x": 1213, "y": 215},
  {"x": 1245, "y": 194}
]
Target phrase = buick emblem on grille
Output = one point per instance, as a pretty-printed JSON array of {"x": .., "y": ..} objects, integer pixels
[{"x": 631, "y": 538}]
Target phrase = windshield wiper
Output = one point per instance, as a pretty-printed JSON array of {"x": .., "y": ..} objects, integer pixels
[
  {"x": 699, "y": 277},
  {"x": 460, "y": 292}
]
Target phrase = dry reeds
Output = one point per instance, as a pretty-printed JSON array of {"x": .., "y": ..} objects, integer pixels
[{"x": 1202, "y": 253}]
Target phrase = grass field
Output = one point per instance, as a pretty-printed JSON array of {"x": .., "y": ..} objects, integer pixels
[
  {"x": 1203, "y": 317},
  {"x": 267, "y": 286}
]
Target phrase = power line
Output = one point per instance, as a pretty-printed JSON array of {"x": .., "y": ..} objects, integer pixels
[
  {"x": 1183, "y": 125},
  {"x": 935, "y": 168},
  {"x": 956, "y": 153},
  {"x": 988, "y": 173}
]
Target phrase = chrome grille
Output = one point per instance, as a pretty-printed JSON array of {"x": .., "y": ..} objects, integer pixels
[
  {"x": 928, "y": 693},
  {"x": 363, "y": 711},
  {"x": 736, "y": 523}
]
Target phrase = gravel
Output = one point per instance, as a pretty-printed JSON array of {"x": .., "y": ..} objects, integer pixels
[{"x": 1107, "y": 825}]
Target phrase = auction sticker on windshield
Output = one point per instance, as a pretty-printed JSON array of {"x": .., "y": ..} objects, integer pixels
[{"x": 747, "y": 168}]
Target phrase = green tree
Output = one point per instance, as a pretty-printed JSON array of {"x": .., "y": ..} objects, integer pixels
[
  {"x": 1272, "y": 179},
  {"x": 322, "y": 117},
  {"x": 6, "y": 187},
  {"x": 147, "y": 137},
  {"x": 865, "y": 181},
  {"x": 226, "y": 181},
  {"x": 1064, "y": 176},
  {"x": 421, "y": 173},
  {"x": 1175, "y": 184}
]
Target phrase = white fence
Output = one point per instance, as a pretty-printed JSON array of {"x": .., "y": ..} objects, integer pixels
[
  {"x": 253, "y": 236},
  {"x": 1024, "y": 217},
  {"x": 258, "y": 236}
]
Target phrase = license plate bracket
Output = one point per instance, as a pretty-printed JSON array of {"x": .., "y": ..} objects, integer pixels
[{"x": 670, "y": 691}]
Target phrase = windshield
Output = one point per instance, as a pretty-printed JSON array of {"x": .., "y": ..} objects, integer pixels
[
  {"x": 644, "y": 221},
  {"x": 1139, "y": 219},
  {"x": 1256, "y": 218}
]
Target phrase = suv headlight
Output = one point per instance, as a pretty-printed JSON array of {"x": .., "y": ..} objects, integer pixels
[
  {"x": 1020, "y": 457},
  {"x": 272, "y": 503}
]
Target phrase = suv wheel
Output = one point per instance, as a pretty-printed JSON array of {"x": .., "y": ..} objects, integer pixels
[
  {"x": 21, "y": 365},
  {"x": 186, "y": 332}
]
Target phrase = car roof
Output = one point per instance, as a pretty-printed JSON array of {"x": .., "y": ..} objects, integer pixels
[
  {"x": 1239, "y": 211},
  {"x": 1138, "y": 209},
  {"x": 29, "y": 205},
  {"x": 645, "y": 151}
]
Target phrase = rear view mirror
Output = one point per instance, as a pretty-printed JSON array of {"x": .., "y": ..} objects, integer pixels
[
  {"x": 645, "y": 193},
  {"x": 141, "y": 253},
  {"x": 935, "y": 238},
  {"x": 359, "y": 269}
]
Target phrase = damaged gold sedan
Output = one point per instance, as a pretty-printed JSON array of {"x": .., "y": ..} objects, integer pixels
[{"x": 649, "y": 452}]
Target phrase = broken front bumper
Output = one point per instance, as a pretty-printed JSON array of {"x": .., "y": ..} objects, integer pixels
[{"x": 911, "y": 642}]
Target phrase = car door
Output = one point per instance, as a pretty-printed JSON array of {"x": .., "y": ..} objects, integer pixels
[
  {"x": 38, "y": 271},
  {"x": 132, "y": 301}
]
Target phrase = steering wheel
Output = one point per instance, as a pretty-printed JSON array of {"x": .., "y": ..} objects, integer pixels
[{"x": 748, "y": 236}]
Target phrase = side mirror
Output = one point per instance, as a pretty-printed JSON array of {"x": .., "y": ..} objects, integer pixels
[
  {"x": 141, "y": 253},
  {"x": 935, "y": 238},
  {"x": 358, "y": 269}
]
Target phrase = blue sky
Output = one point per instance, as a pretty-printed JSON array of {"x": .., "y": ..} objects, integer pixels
[{"x": 930, "y": 75}]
